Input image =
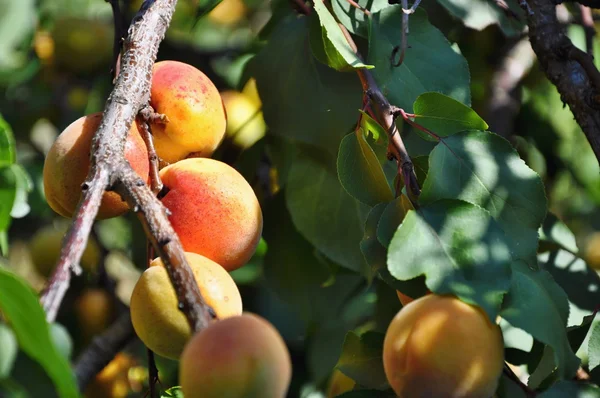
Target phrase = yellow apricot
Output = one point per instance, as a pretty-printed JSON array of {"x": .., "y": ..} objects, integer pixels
[
  {"x": 245, "y": 123},
  {"x": 339, "y": 384},
  {"x": 439, "y": 346},
  {"x": 45, "y": 248},
  {"x": 228, "y": 12},
  {"x": 214, "y": 210},
  {"x": 113, "y": 380},
  {"x": 193, "y": 107},
  {"x": 251, "y": 92},
  {"x": 154, "y": 313},
  {"x": 242, "y": 356},
  {"x": 94, "y": 310},
  {"x": 592, "y": 251},
  {"x": 68, "y": 162}
]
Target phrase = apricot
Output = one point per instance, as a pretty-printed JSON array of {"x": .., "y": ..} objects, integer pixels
[
  {"x": 193, "y": 106},
  {"x": 68, "y": 162},
  {"x": 113, "y": 380},
  {"x": 45, "y": 248},
  {"x": 242, "y": 356},
  {"x": 214, "y": 210},
  {"x": 339, "y": 384},
  {"x": 439, "y": 346},
  {"x": 228, "y": 12},
  {"x": 94, "y": 310},
  {"x": 592, "y": 251},
  {"x": 154, "y": 313},
  {"x": 245, "y": 123}
]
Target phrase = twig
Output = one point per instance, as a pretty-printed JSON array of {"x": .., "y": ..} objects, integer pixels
[
  {"x": 359, "y": 7},
  {"x": 575, "y": 77},
  {"x": 407, "y": 118},
  {"x": 109, "y": 168},
  {"x": 303, "y": 7},
  {"x": 587, "y": 21},
  {"x": 511, "y": 375},
  {"x": 156, "y": 184},
  {"x": 403, "y": 38},
  {"x": 102, "y": 350}
]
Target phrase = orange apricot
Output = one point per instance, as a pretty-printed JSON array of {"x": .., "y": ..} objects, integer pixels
[
  {"x": 94, "y": 310},
  {"x": 242, "y": 356},
  {"x": 214, "y": 210},
  {"x": 68, "y": 162},
  {"x": 154, "y": 313},
  {"x": 439, "y": 346},
  {"x": 193, "y": 106}
]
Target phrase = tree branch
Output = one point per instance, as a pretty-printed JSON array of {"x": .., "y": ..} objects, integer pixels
[
  {"x": 102, "y": 350},
  {"x": 568, "y": 68},
  {"x": 108, "y": 169}
]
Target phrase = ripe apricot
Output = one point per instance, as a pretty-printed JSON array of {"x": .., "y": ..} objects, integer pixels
[
  {"x": 113, "y": 380},
  {"x": 242, "y": 356},
  {"x": 194, "y": 108},
  {"x": 94, "y": 310},
  {"x": 68, "y": 162},
  {"x": 214, "y": 210},
  {"x": 228, "y": 12},
  {"x": 439, "y": 346},
  {"x": 154, "y": 313},
  {"x": 45, "y": 248},
  {"x": 592, "y": 251},
  {"x": 245, "y": 123}
]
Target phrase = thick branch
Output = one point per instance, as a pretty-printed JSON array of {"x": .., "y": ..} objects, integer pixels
[
  {"x": 109, "y": 168},
  {"x": 569, "y": 69},
  {"x": 102, "y": 350}
]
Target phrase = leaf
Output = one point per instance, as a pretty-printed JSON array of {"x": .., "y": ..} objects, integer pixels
[
  {"x": 362, "y": 360},
  {"x": 354, "y": 19},
  {"x": 554, "y": 235},
  {"x": 445, "y": 116},
  {"x": 373, "y": 251},
  {"x": 360, "y": 172},
  {"x": 17, "y": 21},
  {"x": 536, "y": 304},
  {"x": 27, "y": 318},
  {"x": 323, "y": 212},
  {"x": 7, "y": 144},
  {"x": 482, "y": 168},
  {"x": 571, "y": 389},
  {"x": 459, "y": 248},
  {"x": 368, "y": 394},
  {"x": 173, "y": 392},
  {"x": 24, "y": 186},
  {"x": 205, "y": 6},
  {"x": 479, "y": 14},
  {"x": 303, "y": 99},
  {"x": 8, "y": 194},
  {"x": 430, "y": 63},
  {"x": 594, "y": 348},
  {"x": 392, "y": 217},
  {"x": 339, "y": 53},
  {"x": 9, "y": 350}
]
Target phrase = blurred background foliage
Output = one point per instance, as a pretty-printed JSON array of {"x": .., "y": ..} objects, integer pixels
[{"x": 55, "y": 62}]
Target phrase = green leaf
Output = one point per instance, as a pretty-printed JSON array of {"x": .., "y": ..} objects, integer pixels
[
  {"x": 571, "y": 389},
  {"x": 7, "y": 144},
  {"x": 430, "y": 63},
  {"x": 173, "y": 392},
  {"x": 362, "y": 360},
  {"x": 482, "y": 168},
  {"x": 339, "y": 53},
  {"x": 354, "y": 19},
  {"x": 323, "y": 211},
  {"x": 391, "y": 218},
  {"x": 303, "y": 99},
  {"x": 445, "y": 116},
  {"x": 459, "y": 248},
  {"x": 554, "y": 235},
  {"x": 594, "y": 348},
  {"x": 23, "y": 187},
  {"x": 507, "y": 388},
  {"x": 360, "y": 172},
  {"x": 205, "y": 6},
  {"x": 27, "y": 318},
  {"x": 479, "y": 14},
  {"x": 536, "y": 304},
  {"x": 8, "y": 194},
  {"x": 17, "y": 21},
  {"x": 8, "y": 352},
  {"x": 373, "y": 251}
]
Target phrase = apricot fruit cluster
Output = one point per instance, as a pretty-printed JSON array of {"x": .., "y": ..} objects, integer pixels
[{"x": 439, "y": 346}]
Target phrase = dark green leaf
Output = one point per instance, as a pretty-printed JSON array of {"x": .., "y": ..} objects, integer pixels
[
  {"x": 7, "y": 144},
  {"x": 594, "y": 347},
  {"x": 8, "y": 194},
  {"x": 339, "y": 53},
  {"x": 536, "y": 304},
  {"x": 444, "y": 115},
  {"x": 545, "y": 371},
  {"x": 571, "y": 389},
  {"x": 482, "y": 168},
  {"x": 362, "y": 360},
  {"x": 373, "y": 251},
  {"x": 430, "y": 63},
  {"x": 368, "y": 394},
  {"x": 459, "y": 248},
  {"x": 360, "y": 172},
  {"x": 323, "y": 212},
  {"x": 392, "y": 217},
  {"x": 354, "y": 19},
  {"x": 8, "y": 350},
  {"x": 27, "y": 318},
  {"x": 479, "y": 14},
  {"x": 303, "y": 99}
]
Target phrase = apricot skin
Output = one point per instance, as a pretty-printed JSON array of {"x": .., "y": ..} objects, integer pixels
[
  {"x": 194, "y": 108},
  {"x": 154, "y": 313},
  {"x": 68, "y": 162},
  {"x": 245, "y": 123},
  {"x": 94, "y": 310},
  {"x": 214, "y": 210},
  {"x": 243, "y": 356},
  {"x": 439, "y": 346}
]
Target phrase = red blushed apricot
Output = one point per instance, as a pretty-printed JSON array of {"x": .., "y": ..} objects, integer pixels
[
  {"x": 439, "y": 346},
  {"x": 194, "y": 108},
  {"x": 214, "y": 210},
  {"x": 242, "y": 356},
  {"x": 68, "y": 162}
]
